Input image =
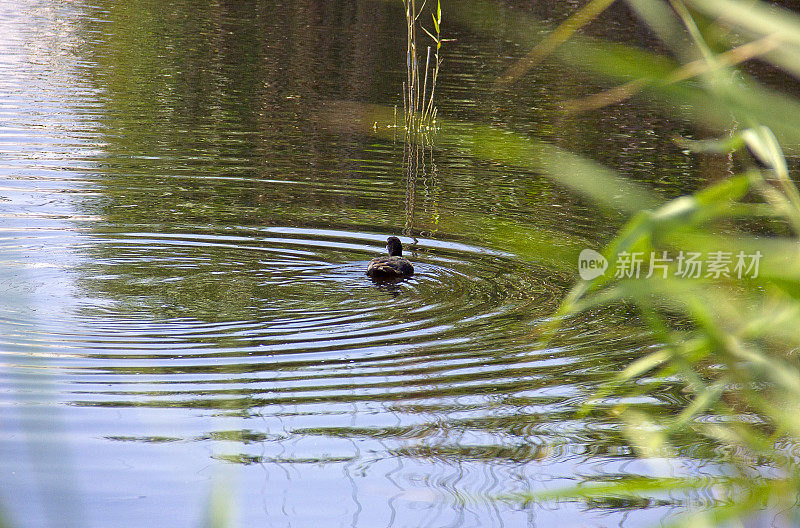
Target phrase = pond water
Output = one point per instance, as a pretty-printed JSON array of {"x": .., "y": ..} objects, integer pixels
[{"x": 184, "y": 315}]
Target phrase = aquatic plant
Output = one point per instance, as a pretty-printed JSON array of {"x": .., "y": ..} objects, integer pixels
[{"x": 418, "y": 108}]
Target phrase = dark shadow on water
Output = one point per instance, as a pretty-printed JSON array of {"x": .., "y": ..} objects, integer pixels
[{"x": 390, "y": 286}]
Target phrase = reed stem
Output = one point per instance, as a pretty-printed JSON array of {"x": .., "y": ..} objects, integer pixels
[{"x": 418, "y": 109}]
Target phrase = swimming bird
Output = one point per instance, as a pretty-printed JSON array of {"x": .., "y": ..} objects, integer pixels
[{"x": 392, "y": 267}]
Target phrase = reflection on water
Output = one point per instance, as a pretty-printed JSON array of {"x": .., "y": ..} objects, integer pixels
[{"x": 183, "y": 288}]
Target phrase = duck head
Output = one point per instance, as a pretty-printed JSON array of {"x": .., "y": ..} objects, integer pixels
[{"x": 394, "y": 246}]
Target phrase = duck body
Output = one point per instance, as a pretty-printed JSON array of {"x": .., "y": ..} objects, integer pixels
[
  {"x": 389, "y": 268},
  {"x": 392, "y": 267}
]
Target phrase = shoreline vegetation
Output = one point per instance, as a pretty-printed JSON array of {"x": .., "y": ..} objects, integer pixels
[{"x": 728, "y": 339}]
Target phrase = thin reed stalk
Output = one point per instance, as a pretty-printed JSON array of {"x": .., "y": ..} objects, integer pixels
[{"x": 418, "y": 108}]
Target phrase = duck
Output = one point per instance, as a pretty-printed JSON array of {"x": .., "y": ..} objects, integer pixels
[{"x": 392, "y": 267}]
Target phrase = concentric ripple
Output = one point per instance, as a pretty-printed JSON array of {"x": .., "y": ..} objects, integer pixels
[
  {"x": 287, "y": 293},
  {"x": 283, "y": 312}
]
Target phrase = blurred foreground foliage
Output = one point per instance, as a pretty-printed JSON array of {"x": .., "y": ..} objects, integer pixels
[{"x": 728, "y": 337}]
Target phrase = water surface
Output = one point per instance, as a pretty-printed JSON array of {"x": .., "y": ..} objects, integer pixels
[{"x": 183, "y": 301}]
